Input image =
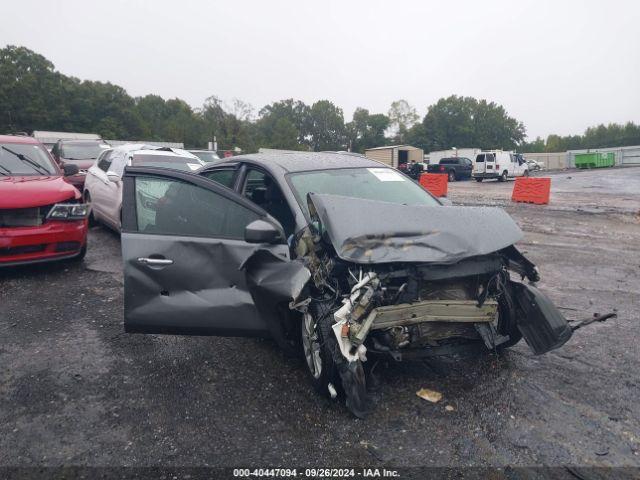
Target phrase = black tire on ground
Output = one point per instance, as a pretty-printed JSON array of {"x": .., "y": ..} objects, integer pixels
[
  {"x": 78, "y": 258},
  {"x": 504, "y": 177},
  {"x": 507, "y": 325},
  {"x": 452, "y": 176},
  {"x": 479, "y": 179},
  {"x": 92, "y": 219},
  {"x": 526, "y": 173}
]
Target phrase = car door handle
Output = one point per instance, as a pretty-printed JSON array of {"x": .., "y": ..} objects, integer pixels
[{"x": 155, "y": 261}]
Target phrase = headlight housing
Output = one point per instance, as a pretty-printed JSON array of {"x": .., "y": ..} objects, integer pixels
[{"x": 68, "y": 211}]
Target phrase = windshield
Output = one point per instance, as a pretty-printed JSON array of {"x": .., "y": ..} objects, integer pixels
[
  {"x": 25, "y": 159},
  {"x": 82, "y": 151},
  {"x": 166, "y": 161},
  {"x": 207, "y": 156},
  {"x": 383, "y": 184}
]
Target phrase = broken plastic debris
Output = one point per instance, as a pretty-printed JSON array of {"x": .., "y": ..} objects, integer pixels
[
  {"x": 429, "y": 395},
  {"x": 332, "y": 390}
]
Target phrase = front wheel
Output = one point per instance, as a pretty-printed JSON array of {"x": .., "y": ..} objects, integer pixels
[
  {"x": 317, "y": 355},
  {"x": 504, "y": 177}
]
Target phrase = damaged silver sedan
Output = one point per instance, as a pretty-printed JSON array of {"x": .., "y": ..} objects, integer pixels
[{"x": 329, "y": 254}]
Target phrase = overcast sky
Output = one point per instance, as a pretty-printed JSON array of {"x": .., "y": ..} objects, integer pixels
[{"x": 558, "y": 66}]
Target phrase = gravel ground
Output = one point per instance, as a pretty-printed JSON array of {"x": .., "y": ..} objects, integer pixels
[{"x": 75, "y": 389}]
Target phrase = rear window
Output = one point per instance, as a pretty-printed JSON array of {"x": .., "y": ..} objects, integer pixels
[
  {"x": 480, "y": 158},
  {"x": 448, "y": 161}
]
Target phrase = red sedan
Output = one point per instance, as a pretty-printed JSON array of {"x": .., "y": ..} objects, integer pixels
[{"x": 41, "y": 215}]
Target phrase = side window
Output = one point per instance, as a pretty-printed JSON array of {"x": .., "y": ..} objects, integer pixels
[
  {"x": 172, "y": 207},
  {"x": 105, "y": 160},
  {"x": 513, "y": 158},
  {"x": 263, "y": 190},
  {"x": 224, "y": 177},
  {"x": 491, "y": 157}
]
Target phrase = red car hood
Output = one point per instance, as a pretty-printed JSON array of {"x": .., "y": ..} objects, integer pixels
[{"x": 35, "y": 191}]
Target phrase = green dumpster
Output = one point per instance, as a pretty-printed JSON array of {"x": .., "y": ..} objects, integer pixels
[{"x": 595, "y": 160}]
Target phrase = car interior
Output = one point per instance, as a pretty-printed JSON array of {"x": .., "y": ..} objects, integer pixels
[{"x": 262, "y": 190}]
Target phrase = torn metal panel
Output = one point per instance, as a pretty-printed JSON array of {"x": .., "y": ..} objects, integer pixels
[
  {"x": 274, "y": 280},
  {"x": 368, "y": 231},
  {"x": 542, "y": 325},
  {"x": 274, "y": 276}
]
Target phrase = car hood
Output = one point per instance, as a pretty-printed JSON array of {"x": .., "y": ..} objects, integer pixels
[
  {"x": 34, "y": 191},
  {"x": 368, "y": 231}
]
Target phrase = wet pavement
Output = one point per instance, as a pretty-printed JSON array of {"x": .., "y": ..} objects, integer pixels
[{"x": 75, "y": 389}]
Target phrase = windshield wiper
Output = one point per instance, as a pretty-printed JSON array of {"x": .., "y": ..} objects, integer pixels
[
  {"x": 87, "y": 158},
  {"x": 36, "y": 166},
  {"x": 9, "y": 172}
]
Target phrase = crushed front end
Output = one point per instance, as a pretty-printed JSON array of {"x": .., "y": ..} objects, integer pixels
[{"x": 393, "y": 288}]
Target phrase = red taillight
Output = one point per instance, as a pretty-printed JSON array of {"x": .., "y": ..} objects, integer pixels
[
  {"x": 497, "y": 167},
  {"x": 441, "y": 168}
]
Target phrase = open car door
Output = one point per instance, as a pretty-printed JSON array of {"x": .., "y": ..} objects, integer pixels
[{"x": 183, "y": 242}]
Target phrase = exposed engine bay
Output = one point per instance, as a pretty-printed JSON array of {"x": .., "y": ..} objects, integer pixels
[{"x": 393, "y": 289}]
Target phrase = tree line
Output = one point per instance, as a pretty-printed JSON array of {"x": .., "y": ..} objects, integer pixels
[{"x": 35, "y": 96}]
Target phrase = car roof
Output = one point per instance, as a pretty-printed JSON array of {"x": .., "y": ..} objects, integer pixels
[
  {"x": 289, "y": 162},
  {"x": 19, "y": 139},
  {"x": 83, "y": 141}
]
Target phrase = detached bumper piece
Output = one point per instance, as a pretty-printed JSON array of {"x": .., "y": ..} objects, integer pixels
[{"x": 542, "y": 325}]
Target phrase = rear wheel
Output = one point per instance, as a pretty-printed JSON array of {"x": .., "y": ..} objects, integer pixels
[
  {"x": 479, "y": 179},
  {"x": 504, "y": 177},
  {"x": 452, "y": 176},
  {"x": 92, "y": 218},
  {"x": 526, "y": 173}
]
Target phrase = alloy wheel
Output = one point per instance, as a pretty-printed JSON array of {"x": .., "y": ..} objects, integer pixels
[{"x": 311, "y": 346}]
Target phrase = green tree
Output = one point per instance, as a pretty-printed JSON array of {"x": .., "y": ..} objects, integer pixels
[
  {"x": 466, "y": 122},
  {"x": 402, "y": 117},
  {"x": 326, "y": 124},
  {"x": 366, "y": 130},
  {"x": 30, "y": 90},
  {"x": 275, "y": 122}
]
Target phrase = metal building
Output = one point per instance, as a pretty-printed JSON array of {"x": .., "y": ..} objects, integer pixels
[{"x": 393, "y": 155}]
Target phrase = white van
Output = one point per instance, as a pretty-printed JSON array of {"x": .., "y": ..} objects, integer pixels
[{"x": 499, "y": 165}]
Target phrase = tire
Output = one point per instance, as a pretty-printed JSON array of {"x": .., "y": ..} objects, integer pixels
[
  {"x": 325, "y": 364},
  {"x": 78, "y": 258},
  {"x": 452, "y": 176},
  {"x": 526, "y": 173},
  {"x": 92, "y": 218},
  {"x": 479, "y": 179},
  {"x": 504, "y": 177},
  {"x": 316, "y": 351}
]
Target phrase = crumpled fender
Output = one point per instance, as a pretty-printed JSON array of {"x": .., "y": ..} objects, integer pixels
[{"x": 273, "y": 280}]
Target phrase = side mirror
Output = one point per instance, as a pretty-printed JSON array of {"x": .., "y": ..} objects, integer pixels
[
  {"x": 260, "y": 231},
  {"x": 113, "y": 177},
  {"x": 70, "y": 169}
]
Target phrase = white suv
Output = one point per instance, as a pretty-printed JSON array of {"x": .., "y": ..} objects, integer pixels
[
  {"x": 499, "y": 165},
  {"x": 103, "y": 185}
]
